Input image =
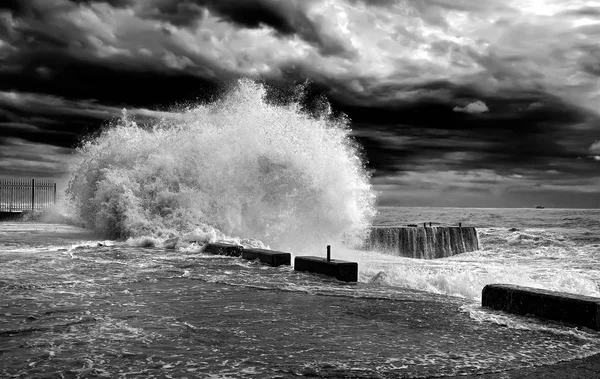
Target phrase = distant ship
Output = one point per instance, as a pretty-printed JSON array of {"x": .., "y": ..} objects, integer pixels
[{"x": 539, "y": 207}]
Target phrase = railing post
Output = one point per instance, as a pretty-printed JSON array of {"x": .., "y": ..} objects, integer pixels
[{"x": 32, "y": 195}]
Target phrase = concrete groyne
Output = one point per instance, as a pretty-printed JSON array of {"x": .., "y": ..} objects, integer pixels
[
  {"x": 218, "y": 248},
  {"x": 423, "y": 242},
  {"x": 269, "y": 257},
  {"x": 559, "y": 306},
  {"x": 341, "y": 270}
]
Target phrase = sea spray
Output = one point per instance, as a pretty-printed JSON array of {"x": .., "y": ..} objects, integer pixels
[{"x": 240, "y": 167}]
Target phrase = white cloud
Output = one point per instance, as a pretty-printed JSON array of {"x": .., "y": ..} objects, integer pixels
[
  {"x": 393, "y": 48},
  {"x": 49, "y": 105},
  {"x": 595, "y": 148},
  {"x": 475, "y": 107}
]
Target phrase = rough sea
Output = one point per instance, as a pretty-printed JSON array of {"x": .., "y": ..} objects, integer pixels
[{"x": 74, "y": 305}]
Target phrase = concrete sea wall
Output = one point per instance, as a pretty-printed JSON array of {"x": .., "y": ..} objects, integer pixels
[
  {"x": 423, "y": 242},
  {"x": 559, "y": 306}
]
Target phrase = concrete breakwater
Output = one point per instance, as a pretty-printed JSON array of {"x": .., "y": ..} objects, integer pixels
[
  {"x": 269, "y": 257},
  {"x": 423, "y": 242},
  {"x": 551, "y": 305},
  {"x": 341, "y": 270}
]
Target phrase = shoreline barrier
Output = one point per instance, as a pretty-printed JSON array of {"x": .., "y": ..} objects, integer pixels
[
  {"x": 558, "y": 306},
  {"x": 341, "y": 270},
  {"x": 423, "y": 242},
  {"x": 270, "y": 257},
  {"x": 229, "y": 250}
]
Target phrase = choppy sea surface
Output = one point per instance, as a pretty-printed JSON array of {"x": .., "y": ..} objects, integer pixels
[
  {"x": 75, "y": 306},
  {"x": 556, "y": 249}
]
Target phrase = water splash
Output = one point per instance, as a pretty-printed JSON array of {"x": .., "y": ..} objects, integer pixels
[{"x": 239, "y": 167}]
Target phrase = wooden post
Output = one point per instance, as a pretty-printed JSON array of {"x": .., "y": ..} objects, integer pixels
[
  {"x": 328, "y": 253},
  {"x": 54, "y": 194},
  {"x": 32, "y": 195}
]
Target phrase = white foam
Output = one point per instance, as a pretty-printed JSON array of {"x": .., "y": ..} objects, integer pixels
[
  {"x": 546, "y": 260},
  {"x": 241, "y": 167}
]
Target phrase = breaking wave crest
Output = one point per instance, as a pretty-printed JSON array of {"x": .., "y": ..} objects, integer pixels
[{"x": 239, "y": 167}]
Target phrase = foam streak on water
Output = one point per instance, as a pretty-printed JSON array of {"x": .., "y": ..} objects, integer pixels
[{"x": 240, "y": 167}]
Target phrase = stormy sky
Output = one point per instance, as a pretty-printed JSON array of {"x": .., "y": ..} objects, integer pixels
[{"x": 490, "y": 103}]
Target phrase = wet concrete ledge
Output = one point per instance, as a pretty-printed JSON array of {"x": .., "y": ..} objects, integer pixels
[
  {"x": 229, "y": 250},
  {"x": 559, "y": 306},
  {"x": 10, "y": 216},
  {"x": 270, "y": 257},
  {"x": 341, "y": 270}
]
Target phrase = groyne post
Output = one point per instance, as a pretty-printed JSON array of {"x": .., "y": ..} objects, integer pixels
[{"x": 328, "y": 253}]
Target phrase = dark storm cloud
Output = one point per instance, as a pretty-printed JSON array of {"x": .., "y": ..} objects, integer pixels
[
  {"x": 485, "y": 91},
  {"x": 114, "y": 3},
  {"x": 250, "y": 14},
  {"x": 514, "y": 136},
  {"x": 286, "y": 18},
  {"x": 19, "y": 157},
  {"x": 38, "y": 132},
  {"x": 360, "y": 49}
]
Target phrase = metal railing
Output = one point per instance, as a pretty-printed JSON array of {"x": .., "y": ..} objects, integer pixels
[{"x": 18, "y": 195}]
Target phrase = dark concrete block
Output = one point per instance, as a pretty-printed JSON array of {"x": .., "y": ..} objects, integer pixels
[
  {"x": 341, "y": 270},
  {"x": 270, "y": 257},
  {"x": 10, "y": 216},
  {"x": 218, "y": 248},
  {"x": 559, "y": 306}
]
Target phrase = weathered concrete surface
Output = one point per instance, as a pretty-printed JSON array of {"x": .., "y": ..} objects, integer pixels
[
  {"x": 423, "y": 242},
  {"x": 270, "y": 257},
  {"x": 10, "y": 216},
  {"x": 559, "y": 306},
  {"x": 341, "y": 270},
  {"x": 218, "y": 248}
]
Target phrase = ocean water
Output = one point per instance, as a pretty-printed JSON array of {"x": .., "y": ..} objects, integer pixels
[
  {"x": 133, "y": 295},
  {"x": 78, "y": 305},
  {"x": 555, "y": 249}
]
